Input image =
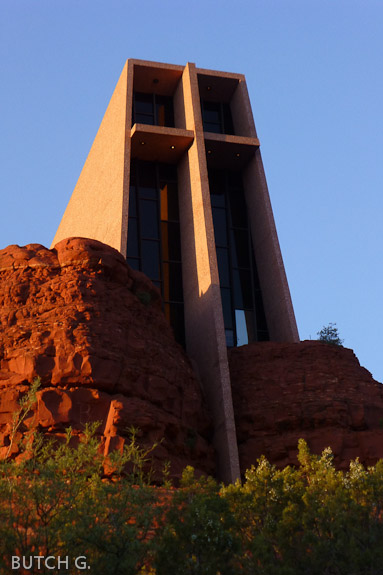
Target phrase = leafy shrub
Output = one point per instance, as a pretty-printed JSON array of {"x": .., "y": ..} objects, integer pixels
[{"x": 292, "y": 521}]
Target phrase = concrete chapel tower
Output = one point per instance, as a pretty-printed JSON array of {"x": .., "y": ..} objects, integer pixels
[{"x": 174, "y": 181}]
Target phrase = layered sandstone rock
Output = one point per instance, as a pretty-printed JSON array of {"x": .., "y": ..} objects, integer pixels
[
  {"x": 94, "y": 331},
  {"x": 313, "y": 390}
]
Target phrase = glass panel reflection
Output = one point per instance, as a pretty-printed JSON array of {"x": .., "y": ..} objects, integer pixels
[{"x": 241, "y": 327}]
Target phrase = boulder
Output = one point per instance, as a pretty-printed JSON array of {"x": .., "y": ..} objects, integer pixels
[
  {"x": 310, "y": 390},
  {"x": 94, "y": 331}
]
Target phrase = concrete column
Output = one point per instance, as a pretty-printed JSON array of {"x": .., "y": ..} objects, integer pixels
[{"x": 205, "y": 333}]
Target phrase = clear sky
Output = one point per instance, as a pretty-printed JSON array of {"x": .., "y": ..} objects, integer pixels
[{"x": 314, "y": 74}]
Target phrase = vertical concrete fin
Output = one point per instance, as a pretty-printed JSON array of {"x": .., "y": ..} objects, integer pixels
[
  {"x": 277, "y": 301},
  {"x": 205, "y": 333},
  {"x": 95, "y": 209},
  {"x": 127, "y": 158}
]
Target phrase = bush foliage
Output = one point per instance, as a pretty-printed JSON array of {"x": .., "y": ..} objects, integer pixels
[
  {"x": 311, "y": 519},
  {"x": 329, "y": 334}
]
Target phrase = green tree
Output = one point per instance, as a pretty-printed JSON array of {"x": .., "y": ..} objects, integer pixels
[
  {"x": 330, "y": 334},
  {"x": 199, "y": 533},
  {"x": 310, "y": 518}
]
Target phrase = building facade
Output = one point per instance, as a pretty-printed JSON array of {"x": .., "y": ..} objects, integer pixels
[{"x": 174, "y": 181}]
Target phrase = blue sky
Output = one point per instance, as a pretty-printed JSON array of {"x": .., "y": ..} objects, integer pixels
[{"x": 314, "y": 74}]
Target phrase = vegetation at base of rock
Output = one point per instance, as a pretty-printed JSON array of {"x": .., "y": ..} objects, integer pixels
[
  {"x": 58, "y": 501},
  {"x": 26, "y": 403},
  {"x": 329, "y": 334}
]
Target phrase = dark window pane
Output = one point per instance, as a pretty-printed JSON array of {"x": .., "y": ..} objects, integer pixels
[
  {"x": 220, "y": 231},
  {"x": 247, "y": 292},
  {"x": 218, "y": 200},
  {"x": 153, "y": 109},
  {"x": 147, "y": 180},
  {"x": 223, "y": 267},
  {"x": 171, "y": 242},
  {"x": 172, "y": 282},
  {"x": 143, "y": 103},
  {"x": 227, "y": 119},
  {"x": 134, "y": 263},
  {"x": 238, "y": 209},
  {"x": 150, "y": 254},
  {"x": 217, "y": 187},
  {"x": 164, "y": 111},
  {"x": 257, "y": 285},
  {"x": 240, "y": 248},
  {"x": 149, "y": 219},
  {"x": 217, "y": 181},
  {"x": 229, "y": 337},
  {"x": 169, "y": 202},
  {"x": 144, "y": 119},
  {"x": 243, "y": 298},
  {"x": 212, "y": 112},
  {"x": 133, "y": 170},
  {"x": 217, "y": 117},
  {"x": 238, "y": 299},
  {"x": 175, "y": 316},
  {"x": 213, "y": 128},
  {"x": 132, "y": 202},
  {"x": 167, "y": 173},
  {"x": 235, "y": 180},
  {"x": 132, "y": 238},
  {"x": 227, "y": 308}
]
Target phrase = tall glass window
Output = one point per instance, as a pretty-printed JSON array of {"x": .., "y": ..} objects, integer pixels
[
  {"x": 154, "y": 244},
  {"x": 153, "y": 110},
  {"x": 241, "y": 295}
]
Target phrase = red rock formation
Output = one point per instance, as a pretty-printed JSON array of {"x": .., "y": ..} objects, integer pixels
[
  {"x": 94, "y": 331},
  {"x": 313, "y": 390}
]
